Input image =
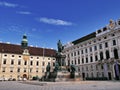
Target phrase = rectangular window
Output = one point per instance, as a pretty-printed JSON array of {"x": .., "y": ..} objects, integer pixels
[
  {"x": 114, "y": 42},
  {"x": 4, "y": 61},
  {"x": 81, "y": 51},
  {"x": 100, "y": 46},
  {"x": 96, "y": 57},
  {"x": 82, "y": 60},
  {"x": 37, "y": 63},
  {"x": 90, "y": 49},
  {"x": 106, "y": 45},
  {"x": 25, "y": 62},
  {"x": 43, "y": 63},
  {"x": 12, "y": 62},
  {"x": 95, "y": 48},
  {"x": 86, "y": 60},
  {"x": 3, "y": 69},
  {"x": 31, "y": 62},
  {"x": 74, "y": 53},
  {"x": 19, "y": 62},
  {"x": 78, "y": 53},
  {"x": 91, "y": 59},
  {"x": 86, "y": 50},
  {"x": 18, "y": 70}
]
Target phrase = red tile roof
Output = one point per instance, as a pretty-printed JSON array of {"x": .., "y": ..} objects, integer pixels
[{"x": 16, "y": 49}]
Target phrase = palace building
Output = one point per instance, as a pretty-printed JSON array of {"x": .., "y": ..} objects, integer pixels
[
  {"x": 96, "y": 55},
  {"x": 22, "y": 61}
]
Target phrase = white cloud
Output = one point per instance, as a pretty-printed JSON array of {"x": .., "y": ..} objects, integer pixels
[
  {"x": 6, "y": 4},
  {"x": 54, "y": 21},
  {"x": 24, "y": 12}
]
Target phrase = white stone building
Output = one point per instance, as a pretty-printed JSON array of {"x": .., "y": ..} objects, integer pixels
[{"x": 97, "y": 55}]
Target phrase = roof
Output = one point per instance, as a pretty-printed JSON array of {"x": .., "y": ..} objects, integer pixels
[
  {"x": 87, "y": 37},
  {"x": 17, "y": 49}
]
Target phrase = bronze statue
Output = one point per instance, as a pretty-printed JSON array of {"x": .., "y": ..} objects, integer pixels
[
  {"x": 60, "y": 47},
  {"x": 48, "y": 68}
]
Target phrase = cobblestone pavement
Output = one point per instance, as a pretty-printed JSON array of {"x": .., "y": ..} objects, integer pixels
[{"x": 81, "y": 85}]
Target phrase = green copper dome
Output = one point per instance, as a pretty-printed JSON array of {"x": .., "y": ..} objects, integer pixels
[{"x": 24, "y": 42}]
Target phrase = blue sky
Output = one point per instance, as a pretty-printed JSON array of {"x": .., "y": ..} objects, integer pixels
[{"x": 47, "y": 21}]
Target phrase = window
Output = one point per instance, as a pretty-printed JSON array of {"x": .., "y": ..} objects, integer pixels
[
  {"x": 30, "y": 70},
  {"x": 11, "y": 69},
  {"x": 86, "y": 59},
  {"x": 43, "y": 63},
  {"x": 75, "y": 61},
  {"x": 96, "y": 57},
  {"x": 107, "y": 54},
  {"x": 91, "y": 59},
  {"x": 12, "y": 62},
  {"x": 31, "y": 62},
  {"x": 81, "y": 51},
  {"x": 74, "y": 53},
  {"x": 19, "y": 56},
  {"x": 116, "y": 53},
  {"x": 78, "y": 53},
  {"x": 5, "y": 55},
  {"x": 86, "y": 68},
  {"x": 100, "y": 46},
  {"x": 37, "y": 70},
  {"x": 91, "y": 68},
  {"x": 104, "y": 29},
  {"x": 24, "y": 69},
  {"x": 37, "y": 63},
  {"x": 86, "y": 50},
  {"x": 25, "y": 62},
  {"x": 106, "y": 45},
  {"x": 37, "y": 57},
  {"x": 82, "y": 60},
  {"x": 13, "y": 56},
  {"x": 3, "y": 69},
  {"x": 71, "y": 54},
  {"x": 90, "y": 49},
  {"x": 4, "y": 61},
  {"x": 19, "y": 62},
  {"x": 68, "y": 62},
  {"x": 114, "y": 42},
  {"x": 95, "y": 48},
  {"x": 78, "y": 61},
  {"x": 101, "y": 55},
  {"x": 18, "y": 70}
]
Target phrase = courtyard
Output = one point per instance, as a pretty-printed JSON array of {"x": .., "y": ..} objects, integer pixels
[{"x": 78, "y": 85}]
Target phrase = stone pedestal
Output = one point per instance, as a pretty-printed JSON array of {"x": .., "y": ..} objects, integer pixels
[{"x": 62, "y": 76}]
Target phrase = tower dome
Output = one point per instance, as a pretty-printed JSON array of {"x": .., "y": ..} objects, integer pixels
[{"x": 24, "y": 42}]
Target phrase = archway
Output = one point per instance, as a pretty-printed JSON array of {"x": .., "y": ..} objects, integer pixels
[
  {"x": 117, "y": 71},
  {"x": 24, "y": 76}
]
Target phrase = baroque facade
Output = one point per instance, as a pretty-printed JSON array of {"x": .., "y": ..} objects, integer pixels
[
  {"x": 97, "y": 55},
  {"x": 13, "y": 64}
]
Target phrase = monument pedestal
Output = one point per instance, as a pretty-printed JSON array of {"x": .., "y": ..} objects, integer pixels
[{"x": 62, "y": 76}]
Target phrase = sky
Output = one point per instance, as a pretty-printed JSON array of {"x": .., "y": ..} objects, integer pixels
[{"x": 47, "y": 21}]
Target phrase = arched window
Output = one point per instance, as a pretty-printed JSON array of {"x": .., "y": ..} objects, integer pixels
[
  {"x": 116, "y": 53},
  {"x": 101, "y": 55},
  {"x": 107, "y": 54}
]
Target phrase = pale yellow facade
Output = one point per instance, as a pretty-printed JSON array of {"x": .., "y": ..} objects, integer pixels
[{"x": 13, "y": 66}]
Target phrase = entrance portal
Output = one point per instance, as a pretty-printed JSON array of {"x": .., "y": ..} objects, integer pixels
[
  {"x": 117, "y": 71},
  {"x": 24, "y": 76}
]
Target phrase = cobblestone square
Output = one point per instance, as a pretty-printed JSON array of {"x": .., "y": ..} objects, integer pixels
[{"x": 81, "y": 85}]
